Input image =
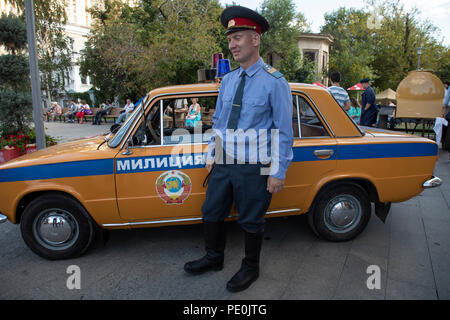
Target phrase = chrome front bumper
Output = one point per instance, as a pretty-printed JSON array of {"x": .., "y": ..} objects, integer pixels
[
  {"x": 3, "y": 218},
  {"x": 432, "y": 183}
]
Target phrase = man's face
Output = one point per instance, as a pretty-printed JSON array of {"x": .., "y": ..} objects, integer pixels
[
  {"x": 243, "y": 45},
  {"x": 365, "y": 85}
]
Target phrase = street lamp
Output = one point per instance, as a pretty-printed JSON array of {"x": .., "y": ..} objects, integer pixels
[
  {"x": 35, "y": 80},
  {"x": 419, "y": 52}
]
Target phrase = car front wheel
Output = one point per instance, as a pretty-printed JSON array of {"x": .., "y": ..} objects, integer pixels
[
  {"x": 341, "y": 212},
  {"x": 55, "y": 226}
]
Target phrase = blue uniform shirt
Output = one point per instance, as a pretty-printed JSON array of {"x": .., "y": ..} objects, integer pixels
[
  {"x": 266, "y": 106},
  {"x": 368, "y": 116}
]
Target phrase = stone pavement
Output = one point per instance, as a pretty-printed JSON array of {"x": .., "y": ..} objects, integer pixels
[
  {"x": 412, "y": 251},
  {"x": 64, "y": 131}
]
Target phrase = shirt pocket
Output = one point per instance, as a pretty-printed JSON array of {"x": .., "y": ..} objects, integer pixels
[
  {"x": 254, "y": 110},
  {"x": 222, "y": 117}
]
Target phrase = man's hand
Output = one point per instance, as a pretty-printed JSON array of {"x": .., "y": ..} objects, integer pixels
[
  {"x": 209, "y": 165},
  {"x": 274, "y": 185}
]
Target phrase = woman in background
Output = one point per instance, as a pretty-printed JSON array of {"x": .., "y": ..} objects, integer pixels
[
  {"x": 355, "y": 110},
  {"x": 193, "y": 115}
]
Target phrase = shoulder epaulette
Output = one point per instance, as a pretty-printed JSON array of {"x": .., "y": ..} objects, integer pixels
[{"x": 272, "y": 71}]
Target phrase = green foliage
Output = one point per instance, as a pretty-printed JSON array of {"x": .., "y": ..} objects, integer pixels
[
  {"x": 134, "y": 49},
  {"x": 81, "y": 96},
  {"x": 13, "y": 33},
  {"x": 306, "y": 73},
  {"x": 16, "y": 110},
  {"x": 281, "y": 39},
  {"x": 54, "y": 47},
  {"x": 352, "y": 50},
  {"x": 15, "y": 98},
  {"x": 396, "y": 43},
  {"x": 385, "y": 52},
  {"x": 443, "y": 65},
  {"x": 14, "y": 71}
]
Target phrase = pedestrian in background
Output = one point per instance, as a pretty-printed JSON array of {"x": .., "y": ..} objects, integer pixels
[
  {"x": 105, "y": 110},
  {"x": 368, "y": 108},
  {"x": 355, "y": 110},
  {"x": 338, "y": 92},
  {"x": 128, "y": 109},
  {"x": 71, "y": 114}
]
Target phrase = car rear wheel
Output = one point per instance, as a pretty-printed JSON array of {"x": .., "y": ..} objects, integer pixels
[
  {"x": 55, "y": 226},
  {"x": 341, "y": 212}
]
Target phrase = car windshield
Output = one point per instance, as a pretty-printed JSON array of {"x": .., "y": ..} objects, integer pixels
[{"x": 114, "y": 142}]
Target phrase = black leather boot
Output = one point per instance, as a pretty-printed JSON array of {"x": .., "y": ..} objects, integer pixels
[
  {"x": 249, "y": 271},
  {"x": 215, "y": 238}
]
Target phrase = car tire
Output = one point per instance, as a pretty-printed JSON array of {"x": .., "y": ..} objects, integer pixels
[
  {"x": 55, "y": 227},
  {"x": 341, "y": 212}
]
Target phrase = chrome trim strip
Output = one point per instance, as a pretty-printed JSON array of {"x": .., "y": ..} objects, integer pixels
[
  {"x": 298, "y": 118},
  {"x": 180, "y": 220},
  {"x": 148, "y": 222},
  {"x": 432, "y": 183},
  {"x": 161, "y": 121},
  {"x": 3, "y": 218}
]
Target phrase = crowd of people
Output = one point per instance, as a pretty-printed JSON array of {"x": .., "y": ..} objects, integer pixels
[{"x": 80, "y": 110}]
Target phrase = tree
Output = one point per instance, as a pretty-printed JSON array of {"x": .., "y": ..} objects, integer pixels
[
  {"x": 352, "y": 50},
  {"x": 54, "y": 47},
  {"x": 385, "y": 51},
  {"x": 15, "y": 98},
  {"x": 396, "y": 42},
  {"x": 134, "y": 49},
  {"x": 281, "y": 39}
]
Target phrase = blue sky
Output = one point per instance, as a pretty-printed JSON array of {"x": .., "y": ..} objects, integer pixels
[{"x": 436, "y": 11}]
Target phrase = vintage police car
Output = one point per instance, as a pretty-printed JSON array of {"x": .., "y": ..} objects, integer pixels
[{"x": 151, "y": 173}]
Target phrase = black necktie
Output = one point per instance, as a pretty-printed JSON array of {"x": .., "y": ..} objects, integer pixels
[{"x": 237, "y": 103}]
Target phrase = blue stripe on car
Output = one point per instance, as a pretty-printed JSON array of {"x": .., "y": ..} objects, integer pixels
[
  {"x": 192, "y": 161},
  {"x": 59, "y": 170}
]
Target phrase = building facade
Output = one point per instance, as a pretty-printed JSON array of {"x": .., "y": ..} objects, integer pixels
[
  {"x": 78, "y": 26},
  {"x": 315, "y": 47}
]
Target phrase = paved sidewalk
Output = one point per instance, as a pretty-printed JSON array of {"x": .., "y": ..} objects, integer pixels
[
  {"x": 65, "y": 131},
  {"x": 412, "y": 252}
]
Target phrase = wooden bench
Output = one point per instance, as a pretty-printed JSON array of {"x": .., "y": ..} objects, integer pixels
[
  {"x": 61, "y": 117},
  {"x": 114, "y": 114},
  {"x": 91, "y": 116}
]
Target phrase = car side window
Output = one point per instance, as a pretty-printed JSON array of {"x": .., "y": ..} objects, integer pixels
[
  {"x": 187, "y": 119},
  {"x": 310, "y": 123}
]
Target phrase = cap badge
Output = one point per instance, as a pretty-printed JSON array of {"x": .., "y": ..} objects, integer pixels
[{"x": 231, "y": 23}]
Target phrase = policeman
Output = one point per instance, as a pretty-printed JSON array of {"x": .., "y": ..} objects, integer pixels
[
  {"x": 251, "y": 148},
  {"x": 368, "y": 108}
]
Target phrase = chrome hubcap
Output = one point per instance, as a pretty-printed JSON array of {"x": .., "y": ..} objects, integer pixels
[
  {"x": 55, "y": 229},
  {"x": 343, "y": 213}
]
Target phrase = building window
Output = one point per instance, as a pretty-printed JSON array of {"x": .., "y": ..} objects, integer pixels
[
  {"x": 310, "y": 56},
  {"x": 74, "y": 9}
]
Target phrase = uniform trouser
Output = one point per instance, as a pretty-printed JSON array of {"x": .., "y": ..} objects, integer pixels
[{"x": 243, "y": 184}]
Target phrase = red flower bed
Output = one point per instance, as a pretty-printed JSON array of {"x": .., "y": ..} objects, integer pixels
[{"x": 13, "y": 146}]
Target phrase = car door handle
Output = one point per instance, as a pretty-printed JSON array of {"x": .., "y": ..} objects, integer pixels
[{"x": 323, "y": 153}]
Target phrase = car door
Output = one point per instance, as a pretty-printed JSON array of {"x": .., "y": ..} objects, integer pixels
[
  {"x": 162, "y": 179},
  {"x": 314, "y": 152}
]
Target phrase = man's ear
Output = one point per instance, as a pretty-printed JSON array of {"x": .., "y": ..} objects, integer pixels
[{"x": 256, "y": 38}]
